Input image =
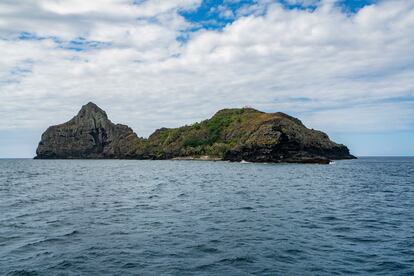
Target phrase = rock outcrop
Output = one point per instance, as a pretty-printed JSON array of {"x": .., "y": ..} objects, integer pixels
[
  {"x": 246, "y": 134},
  {"x": 231, "y": 134},
  {"x": 89, "y": 135}
]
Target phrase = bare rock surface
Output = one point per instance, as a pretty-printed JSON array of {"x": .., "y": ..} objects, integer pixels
[
  {"x": 90, "y": 134},
  {"x": 238, "y": 134}
]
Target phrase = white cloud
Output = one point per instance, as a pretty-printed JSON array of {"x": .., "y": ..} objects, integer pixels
[
  {"x": 77, "y": 18},
  {"x": 337, "y": 71}
]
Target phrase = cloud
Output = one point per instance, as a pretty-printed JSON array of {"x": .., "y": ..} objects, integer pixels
[{"x": 337, "y": 71}]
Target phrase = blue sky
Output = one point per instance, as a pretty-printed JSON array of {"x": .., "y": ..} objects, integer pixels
[
  {"x": 342, "y": 66},
  {"x": 210, "y": 13}
]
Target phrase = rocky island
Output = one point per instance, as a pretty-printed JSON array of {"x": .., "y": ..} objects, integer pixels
[{"x": 231, "y": 134}]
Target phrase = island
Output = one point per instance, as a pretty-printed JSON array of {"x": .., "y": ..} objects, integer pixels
[{"x": 236, "y": 134}]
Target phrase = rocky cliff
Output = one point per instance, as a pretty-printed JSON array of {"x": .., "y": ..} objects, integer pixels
[
  {"x": 90, "y": 134},
  {"x": 231, "y": 134}
]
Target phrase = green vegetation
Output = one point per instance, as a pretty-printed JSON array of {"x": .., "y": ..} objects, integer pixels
[
  {"x": 225, "y": 131},
  {"x": 231, "y": 134}
]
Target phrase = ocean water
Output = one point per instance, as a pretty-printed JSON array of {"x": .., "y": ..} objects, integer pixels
[{"x": 115, "y": 217}]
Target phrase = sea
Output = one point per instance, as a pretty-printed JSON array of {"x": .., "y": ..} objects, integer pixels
[{"x": 130, "y": 217}]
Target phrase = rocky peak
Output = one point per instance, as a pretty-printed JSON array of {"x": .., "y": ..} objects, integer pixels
[
  {"x": 233, "y": 134},
  {"x": 91, "y": 114},
  {"x": 91, "y": 109},
  {"x": 90, "y": 134}
]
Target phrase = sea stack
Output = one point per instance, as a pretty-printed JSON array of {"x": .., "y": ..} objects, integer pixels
[{"x": 231, "y": 134}]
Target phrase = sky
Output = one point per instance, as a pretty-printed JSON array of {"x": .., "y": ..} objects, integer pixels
[{"x": 345, "y": 67}]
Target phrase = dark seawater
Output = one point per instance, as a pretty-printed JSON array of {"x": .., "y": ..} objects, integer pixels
[{"x": 113, "y": 217}]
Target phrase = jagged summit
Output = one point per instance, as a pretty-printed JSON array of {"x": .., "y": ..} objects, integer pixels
[
  {"x": 90, "y": 134},
  {"x": 92, "y": 107},
  {"x": 91, "y": 110},
  {"x": 233, "y": 134}
]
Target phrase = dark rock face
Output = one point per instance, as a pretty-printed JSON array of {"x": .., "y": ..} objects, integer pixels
[
  {"x": 231, "y": 134},
  {"x": 250, "y": 135},
  {"x": 285, "y": 139},
  {"x": 90, "y": 134}
]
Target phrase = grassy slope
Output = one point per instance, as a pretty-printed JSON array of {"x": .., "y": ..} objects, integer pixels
[{"x": 226, "y": 130}]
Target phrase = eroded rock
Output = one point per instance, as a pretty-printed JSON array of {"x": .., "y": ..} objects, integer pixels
[
  {"x": 240, "y": 134},
  {"x": 90, "y": 134}
]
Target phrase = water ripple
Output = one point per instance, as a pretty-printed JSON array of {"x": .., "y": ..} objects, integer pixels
[{"x": 115, "y": 217}]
